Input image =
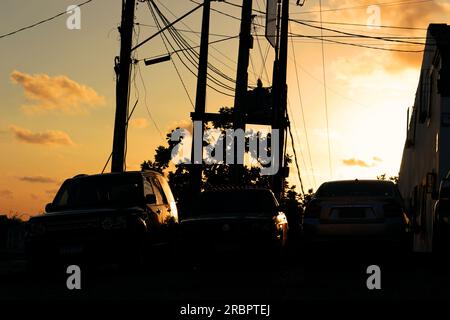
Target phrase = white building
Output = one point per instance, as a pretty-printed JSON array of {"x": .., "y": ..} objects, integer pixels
[{"x": 426, "y": 155}]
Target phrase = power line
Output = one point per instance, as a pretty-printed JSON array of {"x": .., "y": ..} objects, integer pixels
[
  {"x": 325, "y": 92},
  {"x": 176, "y": 35},
  {"x": 190, "y": 54},
  {"x": 184, "y": 30},
  {"x": 387, "y": 4},
  {"x": 40, "y": 22},
  {"x": 363, "y": 25},
  {"x": 392, "y": 39},
  {"x": 296, "y": 161},
  {"x": 298, "y": 139},
  {"x": 362, "y": 45},
  {"x": 303, "y": 112},
  {"x": 335, "y": 41},
  {"x": 175, "y": 66}
]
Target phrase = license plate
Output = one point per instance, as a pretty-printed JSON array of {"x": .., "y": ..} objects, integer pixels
[{"x": 71, "y": 249}]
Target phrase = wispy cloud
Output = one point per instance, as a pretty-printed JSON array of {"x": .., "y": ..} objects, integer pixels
[
  {"x": 139, "y": 123},
  {"x": 48, "y": 137},
  {"x": 38, "y": 179},
  {"x": 356, "y": 163},
  {"x": 58, "y": 93},
  {"x": 5, "y": 193},
  {"x": 415, "y": 14},
  {"x": 377, "y": 159}
]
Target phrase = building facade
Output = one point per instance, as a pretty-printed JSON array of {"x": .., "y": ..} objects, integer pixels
[{"x": 426, "y": 154}]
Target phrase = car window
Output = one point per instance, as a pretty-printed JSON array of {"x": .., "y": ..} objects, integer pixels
[
  {"x": 148, "y": 189},
  {"x": 97, "y": 191},
  {"x": 166, "y": 189},
  {"x": 159, "y": 193},
  {"x": 356, "y": 189}
]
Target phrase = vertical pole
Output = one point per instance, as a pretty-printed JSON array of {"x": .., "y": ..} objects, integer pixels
[
  {"x": 200, "y": 104},
  {"x": 280, "y": 96},
  {"x": 123, "y": 69},
  {"x": 245, "y": 44}
]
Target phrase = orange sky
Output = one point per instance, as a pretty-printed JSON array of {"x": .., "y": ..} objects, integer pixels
[{"x": 57, "y": 89}]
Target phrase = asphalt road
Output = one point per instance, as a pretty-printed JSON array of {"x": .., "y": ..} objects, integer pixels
[{"x": 299, "y": 278}]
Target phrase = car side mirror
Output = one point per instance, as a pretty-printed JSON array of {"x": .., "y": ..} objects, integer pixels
[
  {"x": 150, "y": 199},
  {"x": 49, "y": 207}
]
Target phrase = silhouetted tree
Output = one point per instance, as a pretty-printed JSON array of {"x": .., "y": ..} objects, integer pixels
[
  {"x": 384, "y": 177},
  {"x": 218, "y": 174}
]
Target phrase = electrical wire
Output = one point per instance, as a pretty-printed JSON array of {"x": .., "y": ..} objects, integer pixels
[
  {"x": 40, "y": 22},
  {"x": 192, "y": 56},
  {"x": 327, "y": 40},
  {"x": 325, "y": 92},
  {"x": 175, "y": 67},
  {"x": 302, "y": 110},
  {"x": 387, "y": 4},
  {"x": 187, "y": 51},
  {"x": 296, "y": 161}
]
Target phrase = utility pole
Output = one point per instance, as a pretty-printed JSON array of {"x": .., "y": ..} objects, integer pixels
[
  {"x": 280, "y": 96},
  {"x": 245, "y": 44},
  {"x": 123, "y": 69},
  {"x": 200, "y": 104}
]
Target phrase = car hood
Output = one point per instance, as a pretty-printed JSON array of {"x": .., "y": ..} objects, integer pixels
[
  {"x": 85, "y": 213},
  {"x": 225, "y": 218}
]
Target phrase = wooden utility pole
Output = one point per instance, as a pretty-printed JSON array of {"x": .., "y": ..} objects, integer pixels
[
  {"x": 123, "y": 69},
  {"x": 200, "y": 103},
  {"x": 280, "y": 97},
  {"x": 245, "y": 44}
]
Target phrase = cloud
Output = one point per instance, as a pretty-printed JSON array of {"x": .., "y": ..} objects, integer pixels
[
  {"x": 413, "y": 15},
  {"x": 58, "y": 93},
  {"x": 356, "y": 163},
  {"x": 377, "y": 159},
  {"x": 38, "y": 179},
  {"x": 48, "y": 137},
  {"x": 183, "y": 124},
  {"x": 8, "y": 194},
  {"x": 139, "y": 123}
]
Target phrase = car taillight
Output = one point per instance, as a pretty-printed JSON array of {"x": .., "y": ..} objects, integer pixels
[
  {"x": 392, "y": 210},
  {"x": 312, "y": 210}
]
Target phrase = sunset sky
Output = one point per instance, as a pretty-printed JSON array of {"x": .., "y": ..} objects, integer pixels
[{"x": 58, "y": 88}]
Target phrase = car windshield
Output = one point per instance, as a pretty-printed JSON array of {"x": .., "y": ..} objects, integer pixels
[
  {"x": 356, "y": 189},
  {"x": 236, "y": 202},
  {"x": 97, "y": 191}
]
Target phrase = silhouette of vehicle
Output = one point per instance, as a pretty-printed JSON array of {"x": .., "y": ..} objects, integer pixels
[
  {"x": 106, "y": 216},
  {"x": 236, "y": 223},
  {"x": 354, "y": 214}
]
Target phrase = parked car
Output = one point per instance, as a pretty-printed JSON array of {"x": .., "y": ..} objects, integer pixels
[
  {"x": 111, "y": 216},
  {"x": 356, "y": 213},
  {"x": 237, "y": 222}
]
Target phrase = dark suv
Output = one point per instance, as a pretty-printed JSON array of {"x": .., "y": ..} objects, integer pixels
[
  {"x": 244, "y": 222},
  {"x": 112, "y": 215}
]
